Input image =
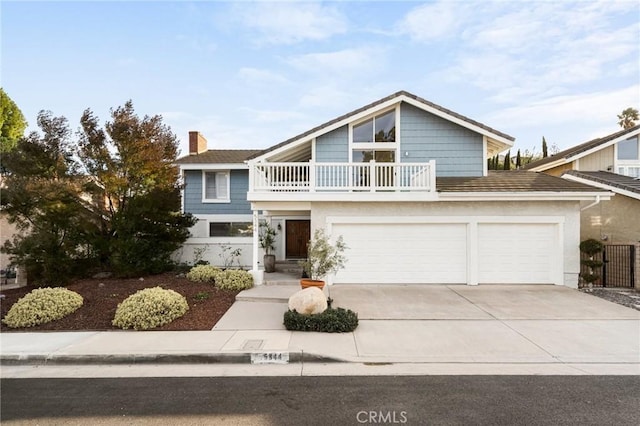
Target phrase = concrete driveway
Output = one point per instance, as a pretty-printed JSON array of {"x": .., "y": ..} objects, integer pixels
[{"x": 483, "y": 302}]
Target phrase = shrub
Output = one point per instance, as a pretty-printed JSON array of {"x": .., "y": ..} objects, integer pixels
[
  {"x": 234, "y": 279},
  {"x": 150, "y": 308},
  {"x": 336, "y": 320},
  {"x": 203, "y": 273},
  {"x": 42, "y": 305}
]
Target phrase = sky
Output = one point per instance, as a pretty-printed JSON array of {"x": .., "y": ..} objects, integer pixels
[{"x": 252, "y": 74}]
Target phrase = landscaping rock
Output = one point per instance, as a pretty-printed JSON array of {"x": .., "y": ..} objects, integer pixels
[
  {"x": 102, "y": 275},
  {"x": 308, "y": 301}
]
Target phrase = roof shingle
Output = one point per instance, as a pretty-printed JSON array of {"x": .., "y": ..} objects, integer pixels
[
  {"x": 219, "y": 156},
  {"x": 610, "y": 179},
  {"x": 511, "y": 181}
]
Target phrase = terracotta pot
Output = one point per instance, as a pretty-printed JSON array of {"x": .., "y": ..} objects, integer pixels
[{"x": 307, "y": 282}]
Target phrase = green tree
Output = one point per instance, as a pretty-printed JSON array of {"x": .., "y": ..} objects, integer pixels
[
  {"x": 507, "y": 161},
  {"x": 131, "y": 163},
  {"x": 518, "y": 160},
  {"x": 545, "y": 151},
  {"x": 628, "y": 117},
  {"x": 42, "y": 195},
  {"x": 12, "y": 123}
]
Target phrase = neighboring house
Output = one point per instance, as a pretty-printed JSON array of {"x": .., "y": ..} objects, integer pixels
[
  {"x": 405, "y": 182},
  {"x": 611, "y": 163}
]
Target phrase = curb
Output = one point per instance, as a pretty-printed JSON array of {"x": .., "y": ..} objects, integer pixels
[{"x": 232, "y": 358}]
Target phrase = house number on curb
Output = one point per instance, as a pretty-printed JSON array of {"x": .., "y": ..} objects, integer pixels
[{"x": 270, "y": 358}]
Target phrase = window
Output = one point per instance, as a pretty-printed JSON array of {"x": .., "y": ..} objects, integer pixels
[
  {"x": 215, "y": 186},
  {"x": 628, "y": 150},
  {"x": 378, "y": 156},
  {"x": 230, "y": 229},
  {"x": 381, "y": 128}
]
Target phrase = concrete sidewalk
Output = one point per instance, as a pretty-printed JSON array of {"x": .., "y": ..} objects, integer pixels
[{"x": 449, "y": 330}]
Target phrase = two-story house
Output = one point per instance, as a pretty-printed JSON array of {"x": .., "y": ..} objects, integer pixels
[{"x": 405, "y": 182}]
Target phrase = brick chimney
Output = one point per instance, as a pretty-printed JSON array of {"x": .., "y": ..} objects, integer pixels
[{"x": 197, "y": 143}]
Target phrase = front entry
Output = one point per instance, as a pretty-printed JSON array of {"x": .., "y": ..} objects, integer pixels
[{"x": 298, "y": 236}]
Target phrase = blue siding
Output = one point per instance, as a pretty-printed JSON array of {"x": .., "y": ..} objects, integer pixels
[
  {"x": 333, "y": 146},
  {"x": 457, "y": 151},
  {"x": 239, "y": 185}
]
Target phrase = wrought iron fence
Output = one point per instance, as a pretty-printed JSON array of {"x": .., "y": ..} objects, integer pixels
[{"x": 618, "y": 266}]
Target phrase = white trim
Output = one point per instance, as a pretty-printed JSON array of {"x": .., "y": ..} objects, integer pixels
[
  {"x": 205, "y": 200},
  {"x": 380, "y": 107},
  {"x": 358, "y": 197},
  {"x": 485, "y": 155},
  {"x": 603, "y": 186}
]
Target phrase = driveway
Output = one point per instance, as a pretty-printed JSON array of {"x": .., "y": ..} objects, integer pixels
[
  {"x": 483, "y": 302},
  {"x": 490, "y": 323}
]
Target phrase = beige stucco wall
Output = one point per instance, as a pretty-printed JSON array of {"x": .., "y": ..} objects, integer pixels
[
  {"x": 569, "y": 210},
  {"x": 559, "y": 171},
  {"x": 616, "y": 221}
]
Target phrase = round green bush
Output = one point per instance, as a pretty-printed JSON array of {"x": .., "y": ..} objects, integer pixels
[
  {"x": 234, "y": 279},
  {"x": 42, "y": 305},
  {"x": 150, "y": 308},
  {"x": 203, "y": 273}
]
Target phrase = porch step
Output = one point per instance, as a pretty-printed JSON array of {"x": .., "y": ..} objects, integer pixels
[
  {"x": 278, "y": 293},
  {"x": 288, "y": 267}
]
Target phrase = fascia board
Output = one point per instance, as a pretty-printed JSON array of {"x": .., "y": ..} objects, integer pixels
[{"x": 524, "y": 196}]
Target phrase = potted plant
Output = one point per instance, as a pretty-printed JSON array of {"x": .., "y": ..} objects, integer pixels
[
  {"x": 267, "y": 239},
  {"x": 323, "y": 258}
]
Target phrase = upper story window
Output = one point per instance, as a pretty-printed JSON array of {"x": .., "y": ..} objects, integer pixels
[
  {"x": 381, "y": 128},
  {"x": 628, "y": 150},
  {"x": 215, "y": 187}
]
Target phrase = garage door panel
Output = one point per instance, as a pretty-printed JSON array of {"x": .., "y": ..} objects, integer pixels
[
  {"x": 404, "y": 253},
  {"x": 516, "y": 253}
]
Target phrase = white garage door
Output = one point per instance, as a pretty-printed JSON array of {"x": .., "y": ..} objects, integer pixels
[
  {"x": 517, "y": 253},
  {"x": 404, "y": 253}
]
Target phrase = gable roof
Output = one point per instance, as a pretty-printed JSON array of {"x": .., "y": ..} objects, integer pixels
[
  {"x": 511, "y": 181},
  {"x": 499, "y": 137},
  {"x": 219, "y": 156},
  {"x": 620, "y": 184},
  {"x": 575, "y": 152}
]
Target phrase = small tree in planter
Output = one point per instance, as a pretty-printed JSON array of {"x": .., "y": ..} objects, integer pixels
[
  {"x": 591, "y": 247},
  {"x": 322, "y": 259},
  {"x": 267, "y": 239}
]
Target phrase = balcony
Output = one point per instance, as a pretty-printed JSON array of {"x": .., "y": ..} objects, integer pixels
[{"x": 339, "y": 178}]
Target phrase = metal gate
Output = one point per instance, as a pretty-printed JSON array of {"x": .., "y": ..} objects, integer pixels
[{"x": 618, "y": 269}]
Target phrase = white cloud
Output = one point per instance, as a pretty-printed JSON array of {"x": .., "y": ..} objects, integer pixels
[
  {"x": 339, "y": 63},
  {"x": 534, "y": 49},
  {"x": 565, "y": 120},
  {"x": 289, "y": 23},
  {"x": 433, "y": 21}
]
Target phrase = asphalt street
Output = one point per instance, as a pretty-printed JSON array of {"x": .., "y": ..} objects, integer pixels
[{"x": 423, "y": 400}]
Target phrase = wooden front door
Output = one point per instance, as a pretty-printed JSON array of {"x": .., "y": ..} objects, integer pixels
[{"x": 298, "y": 235}]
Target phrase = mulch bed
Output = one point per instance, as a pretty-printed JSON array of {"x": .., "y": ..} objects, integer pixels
[{"x": 101, "y": 298}]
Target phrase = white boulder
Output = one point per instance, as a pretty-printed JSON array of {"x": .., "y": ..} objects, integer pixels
[{"x": 309, "y": 301}]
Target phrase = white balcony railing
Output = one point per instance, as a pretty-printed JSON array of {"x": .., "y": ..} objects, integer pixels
[{"x": 341, "y": 177}]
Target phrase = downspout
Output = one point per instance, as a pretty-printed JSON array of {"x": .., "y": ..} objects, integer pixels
[{"x": 597, "y": 201}]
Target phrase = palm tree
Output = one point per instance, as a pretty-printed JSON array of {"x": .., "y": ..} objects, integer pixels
[{"x": 628, "y": 118}]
